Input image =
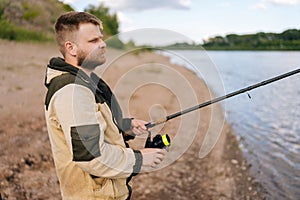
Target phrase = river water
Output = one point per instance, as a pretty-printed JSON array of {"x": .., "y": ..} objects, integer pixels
[{"x": 268, "y": 123}]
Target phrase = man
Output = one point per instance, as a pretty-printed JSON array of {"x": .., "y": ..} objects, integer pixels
[{"x": 85, "y": 124}]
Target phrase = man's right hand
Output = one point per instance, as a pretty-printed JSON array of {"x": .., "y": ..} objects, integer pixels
[{"x": 151, "y": 158}]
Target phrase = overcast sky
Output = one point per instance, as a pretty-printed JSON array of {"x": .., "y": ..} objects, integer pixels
[{"x": 199, "y": 19}]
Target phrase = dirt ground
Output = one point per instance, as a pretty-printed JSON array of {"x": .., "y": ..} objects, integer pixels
[{"x": 27, "y": 169}]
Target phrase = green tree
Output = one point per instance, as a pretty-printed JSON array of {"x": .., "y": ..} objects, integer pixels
[
  {"x": 2, "y": 7},
  {"x": 110, "y": 21},
  {"x": 291, "y": 34}
]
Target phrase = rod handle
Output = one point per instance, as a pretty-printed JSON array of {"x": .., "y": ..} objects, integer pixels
[{"x": 155, "y": 123}]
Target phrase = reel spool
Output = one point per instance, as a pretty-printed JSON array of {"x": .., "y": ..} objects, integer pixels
[{"x": 159, "y": 141}]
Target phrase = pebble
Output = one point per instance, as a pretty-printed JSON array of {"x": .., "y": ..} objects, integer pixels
[
  {"x": 147, "y": 191},
  {"x": 235, "y": 162},
  {"x": 190, "y": 179}
]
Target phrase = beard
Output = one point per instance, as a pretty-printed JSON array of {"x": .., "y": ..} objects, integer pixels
[{"x": 90, "y": 60}]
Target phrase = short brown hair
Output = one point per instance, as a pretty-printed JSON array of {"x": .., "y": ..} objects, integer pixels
[{"x": 68, "y": 23}]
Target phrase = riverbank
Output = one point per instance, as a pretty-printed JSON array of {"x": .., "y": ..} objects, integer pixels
[{"x": 27, "y": 170}]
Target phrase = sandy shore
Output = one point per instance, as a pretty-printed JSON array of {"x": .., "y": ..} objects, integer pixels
[{"x": 27, "y": 170}]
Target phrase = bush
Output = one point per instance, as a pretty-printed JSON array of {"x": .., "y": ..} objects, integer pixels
[
  {"x": 30, "y": 12},
  {"x": 114, "y": 42},
  {"x": 11, "y": 32}
]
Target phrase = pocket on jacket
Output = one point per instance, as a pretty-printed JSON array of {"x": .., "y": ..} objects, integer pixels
[
  {"x": 85, "y": 142},
  {"x": 105, "y": 190}
]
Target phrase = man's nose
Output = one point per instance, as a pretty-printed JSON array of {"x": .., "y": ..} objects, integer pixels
[{"x": 102, "y": 44}]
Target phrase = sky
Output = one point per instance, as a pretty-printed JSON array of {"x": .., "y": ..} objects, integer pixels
[{"x": 169, "y": 21}]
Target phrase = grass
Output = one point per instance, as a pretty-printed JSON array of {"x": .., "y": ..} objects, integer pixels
[{"x": 11, "y": 32}]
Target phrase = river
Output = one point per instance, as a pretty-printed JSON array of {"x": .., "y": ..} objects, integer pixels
[{"x": 267, "y": 120}]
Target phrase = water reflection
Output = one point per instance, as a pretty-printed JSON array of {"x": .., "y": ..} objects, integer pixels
[{"x": 268, "y": 124}]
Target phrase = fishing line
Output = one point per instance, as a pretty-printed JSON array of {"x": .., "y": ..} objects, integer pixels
[{"x": 243, "y": 90}]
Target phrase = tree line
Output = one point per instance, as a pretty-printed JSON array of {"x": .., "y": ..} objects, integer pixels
[{"x": 287, "y": 40}]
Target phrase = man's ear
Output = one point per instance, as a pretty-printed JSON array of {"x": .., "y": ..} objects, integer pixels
[{"x": 71, "y": 48}]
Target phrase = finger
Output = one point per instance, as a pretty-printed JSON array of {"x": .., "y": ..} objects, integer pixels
[
  {"x": 135, "y": 130},
  {"x": 160, "y": 156},
  {"x": 161, "y": 152},
  {"x": 157, "y": 161},
  {"x": 141, "y": 127},
  {"x": 141, "y": 124},
  {"x": 154, "y": 164},
  {"x": 138, "y": 131}
]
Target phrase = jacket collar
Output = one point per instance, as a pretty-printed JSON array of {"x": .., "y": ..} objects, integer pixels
[{"x": 57, "y": 66}]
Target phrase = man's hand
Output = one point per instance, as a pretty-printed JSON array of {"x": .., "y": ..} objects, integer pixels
[
  {"x": 151, "y": 158},
  {"x": 138, "y": 127}
]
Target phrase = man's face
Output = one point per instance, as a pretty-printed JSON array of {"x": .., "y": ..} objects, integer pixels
[{"x": 90, "y": 46}]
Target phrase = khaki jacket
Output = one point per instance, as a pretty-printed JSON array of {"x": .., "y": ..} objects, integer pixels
[{"x": 90, "y": 156}]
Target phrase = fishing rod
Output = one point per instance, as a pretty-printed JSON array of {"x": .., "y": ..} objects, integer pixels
[{"x": 243, "y": 90}]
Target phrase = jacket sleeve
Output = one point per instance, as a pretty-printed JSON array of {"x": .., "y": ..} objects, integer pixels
[
  {"x": 127, "y": 134},
  {"x": 83, "y": 127},
  {"x": 126, "y": 124}
]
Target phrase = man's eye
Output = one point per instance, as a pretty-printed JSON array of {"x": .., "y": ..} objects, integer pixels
[{"x": 94, "y": 41}]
